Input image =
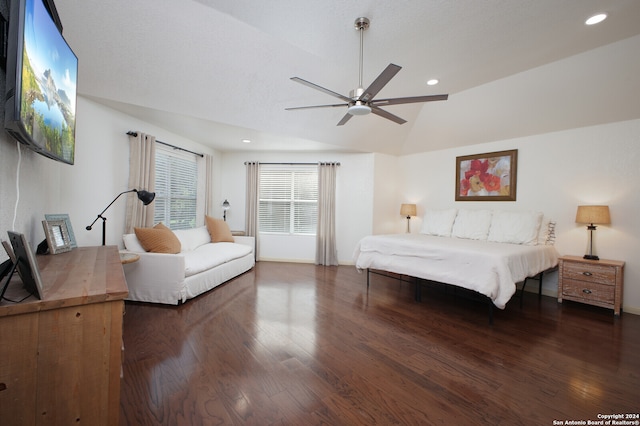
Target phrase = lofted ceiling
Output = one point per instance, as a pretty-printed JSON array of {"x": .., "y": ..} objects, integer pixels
[{"x": 218, "y": 71}]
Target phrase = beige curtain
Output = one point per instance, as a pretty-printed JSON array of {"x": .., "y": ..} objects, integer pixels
[
  {"x": 142, "y": 175},
  {"x": 326, "y": 253},
  {"x": 209, "y": 208},
  {"x": 252, "y": 202}
]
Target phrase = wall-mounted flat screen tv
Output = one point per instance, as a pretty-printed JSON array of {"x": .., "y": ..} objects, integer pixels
[{"x": 40, "y": 102}]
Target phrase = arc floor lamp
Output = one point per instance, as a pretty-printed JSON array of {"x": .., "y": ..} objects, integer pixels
[{"x": 145, "y": 196}]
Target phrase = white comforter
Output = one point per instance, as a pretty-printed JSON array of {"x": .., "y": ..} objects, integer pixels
[{"x": 490, "y": 268}]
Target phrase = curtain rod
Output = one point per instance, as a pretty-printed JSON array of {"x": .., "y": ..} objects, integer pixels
[
  {"x": 134, "y": 134},
  {"x": 293, "y": 164}
]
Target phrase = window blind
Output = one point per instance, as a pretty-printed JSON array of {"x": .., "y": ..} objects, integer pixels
[
  {"x": 288, "y": 199},
  {"x": 176, "y": 188}
]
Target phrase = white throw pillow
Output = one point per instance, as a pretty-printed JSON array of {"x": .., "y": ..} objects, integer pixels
[
  {"x": 472, "y": 224},
  {"x": 192, "y": 238},
  {"x": 515, "y": 227},
  {"x": 438, "y": 222},
  {"x": 131, "y": 243}
]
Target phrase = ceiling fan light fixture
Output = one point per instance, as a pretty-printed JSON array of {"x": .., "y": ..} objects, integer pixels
[{"x": 359, "y": 109}]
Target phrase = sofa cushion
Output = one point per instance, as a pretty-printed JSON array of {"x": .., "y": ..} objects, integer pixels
[
  {"x": 158, "y": 239},
  {"x": 190, "y": 239},
  {"x": 218, "y": 230},
  {"x": 515, "y": 227},
  {"x": 211, "y": 255},
  {"x": 472, "y": 224},
  {"x": 438, "y": 222}
]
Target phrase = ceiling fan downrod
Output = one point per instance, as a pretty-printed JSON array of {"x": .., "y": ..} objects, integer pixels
[
  {"x": 361, "y": 24},
  {"x": 359, "y": 107}
]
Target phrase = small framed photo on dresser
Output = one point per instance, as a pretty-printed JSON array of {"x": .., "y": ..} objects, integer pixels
[
  {"x": 67, "y": 221},
  {"x": 57, "y": 236}
]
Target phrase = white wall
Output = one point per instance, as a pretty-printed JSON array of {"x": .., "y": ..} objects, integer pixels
[
  {"x": 556, "y": 173},
  {"x": 388, "y": 195},
  {"x": 354, "y": 201}
]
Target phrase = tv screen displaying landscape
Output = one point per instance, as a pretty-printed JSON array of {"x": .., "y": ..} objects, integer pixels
[{"x": 49, "y": 78}]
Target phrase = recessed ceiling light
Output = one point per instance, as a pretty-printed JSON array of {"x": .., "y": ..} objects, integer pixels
[
  {"x": 246, "y": 140},
  {"x": 433, "y": 82},
  {"x": 596, "y": 19}
]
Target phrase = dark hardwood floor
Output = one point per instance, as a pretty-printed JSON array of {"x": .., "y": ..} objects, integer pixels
[{"x": 298, "y": 344}]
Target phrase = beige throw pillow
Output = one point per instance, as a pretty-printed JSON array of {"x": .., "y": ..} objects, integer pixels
[
  {"x": 219, "y": 230},
  {"x": 158, "y": 239}
]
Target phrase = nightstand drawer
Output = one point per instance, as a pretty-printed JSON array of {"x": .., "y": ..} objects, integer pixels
[
  {"x": 591, "y": 273},
  {"x": 588, "y": 291}
]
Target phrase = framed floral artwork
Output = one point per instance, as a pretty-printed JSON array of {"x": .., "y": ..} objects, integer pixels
[{"x": 487, "y": 177}]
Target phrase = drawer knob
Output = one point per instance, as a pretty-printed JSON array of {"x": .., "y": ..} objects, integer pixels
[
  {"x": 586, "y": 291},
  {"x": 588, "y": 274}
]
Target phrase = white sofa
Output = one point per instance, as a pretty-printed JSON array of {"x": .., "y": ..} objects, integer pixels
[{"x": 200, "y": 266}]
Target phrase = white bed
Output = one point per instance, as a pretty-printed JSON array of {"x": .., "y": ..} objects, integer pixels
[{"x": 489, "y": 268}]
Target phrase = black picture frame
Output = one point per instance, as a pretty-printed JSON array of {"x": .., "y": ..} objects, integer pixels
[{"x": 27, "y": 265}]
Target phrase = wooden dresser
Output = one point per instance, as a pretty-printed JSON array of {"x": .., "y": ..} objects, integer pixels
[
  {"x": 596, "y": 282},
  {"x": 61, "y": 357}
]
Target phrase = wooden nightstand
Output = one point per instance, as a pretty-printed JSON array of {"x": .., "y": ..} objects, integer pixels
[{"x": 596, "y": 282}]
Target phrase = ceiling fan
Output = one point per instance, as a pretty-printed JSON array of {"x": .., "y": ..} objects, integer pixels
[{"x": 361, "y": 101}]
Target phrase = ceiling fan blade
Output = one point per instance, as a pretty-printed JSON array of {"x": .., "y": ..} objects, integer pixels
[
  {"x": 379, "y": 82},
  {"x": 346, "y": 118},
  {"x": 387, "y": 115},
  {"x": 322, "y": 89},
  {"x": 317, "y": 106},
  {"x": 409, "y": 100}
]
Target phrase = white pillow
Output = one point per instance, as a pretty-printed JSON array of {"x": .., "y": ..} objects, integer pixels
[
  {"x": 472, "y": 224},
  {"x": 190, "y": 239},
  {"x": 515, "y": 227},
  {"x": 438, "y": 222},
  {"x": 131, "y": 243}
]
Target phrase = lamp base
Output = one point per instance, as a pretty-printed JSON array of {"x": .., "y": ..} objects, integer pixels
[{"x": 591, "y": 257}]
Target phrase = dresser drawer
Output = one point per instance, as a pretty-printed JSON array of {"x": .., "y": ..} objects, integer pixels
[
  {"x": 588, "y": 291},
  {"x": 590, "y": 273}
]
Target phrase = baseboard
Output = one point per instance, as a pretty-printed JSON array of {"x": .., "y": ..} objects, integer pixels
[
  {"x": 269, "y": 259},
  {"x": 311, "y": 261}
]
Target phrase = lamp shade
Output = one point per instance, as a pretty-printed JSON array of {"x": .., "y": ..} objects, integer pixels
[
  {"x": 408, "y": 209},
  {"x": 146, "y": 197},
  {"x": 593, "y": 214}
]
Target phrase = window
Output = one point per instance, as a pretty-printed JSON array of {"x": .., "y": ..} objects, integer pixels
[
  {"x": 176, "y": 188},
  {"x": 288, "y": 199}
]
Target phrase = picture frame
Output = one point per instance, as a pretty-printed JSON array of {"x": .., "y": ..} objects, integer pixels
[
  {"x": 57, "y": 235},
  {"x": 491, "y": 176},
  {"x": 26, "y": 264},
  {"x": 65, "y": 217}
]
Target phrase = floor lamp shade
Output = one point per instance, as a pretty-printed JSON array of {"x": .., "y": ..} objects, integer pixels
[
  {"x": 592, "y": 215},
  {"x": 145, "y": 196}
]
